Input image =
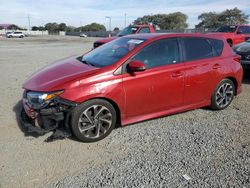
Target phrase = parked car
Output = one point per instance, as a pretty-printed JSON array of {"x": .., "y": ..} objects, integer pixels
[
  {"x": 132, "y": 29},
  {"x": 234, "y": 34},
  {"x": 131, "y": 79},
  {"x": 83, "y": 35},
  {"x": 243, "y": 49},
  {"x": 15, "y": 34}
]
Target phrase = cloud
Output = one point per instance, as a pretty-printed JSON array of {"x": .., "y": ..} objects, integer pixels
[{"x": 77, "y": 12}]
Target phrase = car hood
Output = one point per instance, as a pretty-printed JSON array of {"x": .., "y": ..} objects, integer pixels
[
  {"x": 106, "y": 40},
  {"x": 56, "y": 75},
  {"x": 243, "y": 47}
]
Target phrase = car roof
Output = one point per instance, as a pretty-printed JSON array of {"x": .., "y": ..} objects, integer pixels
[
  {"x": 143, "y": 25},
  {"x": 168, "y": 35}
]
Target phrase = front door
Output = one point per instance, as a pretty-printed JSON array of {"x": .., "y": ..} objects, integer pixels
[{"x": 160, "y": 86}]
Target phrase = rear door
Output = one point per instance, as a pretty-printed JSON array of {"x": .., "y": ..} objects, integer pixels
[
  {"x": 201, "y": 67},
  {"x": 160, "y": 86}
]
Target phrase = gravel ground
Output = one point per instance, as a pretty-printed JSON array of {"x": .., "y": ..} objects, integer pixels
[
  {"x": 199, "y": 148},
  {"x": 211, "y": 148}
]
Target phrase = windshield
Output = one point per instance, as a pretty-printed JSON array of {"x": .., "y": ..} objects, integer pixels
[
  {"x": 111, "y": 52},
  {"x": 128, "y": 31},
  {"x": 227, "y": 29}
]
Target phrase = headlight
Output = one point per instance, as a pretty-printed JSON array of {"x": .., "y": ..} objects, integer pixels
[{"x": 39, "y": 100}]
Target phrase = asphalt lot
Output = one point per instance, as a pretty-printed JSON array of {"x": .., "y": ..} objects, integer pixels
[{"x": 199, "y": 148}]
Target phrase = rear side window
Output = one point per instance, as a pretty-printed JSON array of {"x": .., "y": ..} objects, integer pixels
[
  {"x": 244, "y": 29},
  {"x": 217, "y": 45},
  {"x": 197, "y": 48},
  {"x": 144, "y": 30}
]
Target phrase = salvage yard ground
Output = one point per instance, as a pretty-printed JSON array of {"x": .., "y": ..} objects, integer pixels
[{"x": 199, "y": 148}]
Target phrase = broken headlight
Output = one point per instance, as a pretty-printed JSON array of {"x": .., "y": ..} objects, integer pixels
[{"x": 38, "y": 100}]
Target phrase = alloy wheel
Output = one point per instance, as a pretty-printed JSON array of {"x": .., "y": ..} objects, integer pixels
[
  {"x": 95, "y": 121},
  {"x": 224, "y": 95}
]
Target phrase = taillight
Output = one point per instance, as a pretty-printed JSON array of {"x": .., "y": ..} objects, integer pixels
[{"x": 237, "y": 58}]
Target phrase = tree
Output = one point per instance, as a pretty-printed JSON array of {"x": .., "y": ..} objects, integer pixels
[
  {"x": 233, "y": 16},
  {"x": 14, "y": 27},
  {"x": 52, "y": 27},
  {"x": 62, "y": 27},
  {"x": 35, "y": 28},
  {"x": 227, "y": 17},
  {"x": 176, "y": 20},
  {"x": 91, "y": 27},
  {"x": 70, "y": 28},
  {"x": 208, "y": 20},
  {"x": 116, "y": 29},
  {"x": 41, "y": 28}
]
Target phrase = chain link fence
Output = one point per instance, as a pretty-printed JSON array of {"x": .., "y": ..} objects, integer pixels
[{"x": 107, "y": 33}]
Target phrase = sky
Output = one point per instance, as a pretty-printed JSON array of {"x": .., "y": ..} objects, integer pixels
[{"x": 82, "y": 12}]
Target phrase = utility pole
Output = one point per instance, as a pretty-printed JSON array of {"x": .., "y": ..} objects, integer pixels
[
  {"x": 109, "y": 22},
  {"x": 28, "y": 21},
  {"x": 125, "y": 20}
]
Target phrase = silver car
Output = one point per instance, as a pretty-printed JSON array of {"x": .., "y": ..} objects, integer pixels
[{"x": 15, "y": 34}]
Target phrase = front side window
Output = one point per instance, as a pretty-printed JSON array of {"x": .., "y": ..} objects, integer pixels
[
  {"x": 144, "y": 30},
  {"x": 161, "y": 52},
  {"x": 197, "y": 48},
  {"x": 111, "y": 52},
  {"x": 244, "y": 29}
]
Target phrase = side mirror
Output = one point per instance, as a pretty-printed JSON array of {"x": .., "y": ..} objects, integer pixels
[
  {"x": 136, "y": 66},
  {"x": 239, "y": 32}
]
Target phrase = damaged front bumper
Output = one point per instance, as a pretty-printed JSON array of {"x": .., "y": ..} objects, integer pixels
[{"x": 54, "y": 116}]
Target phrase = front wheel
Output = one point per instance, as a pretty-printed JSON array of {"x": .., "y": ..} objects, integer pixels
[
  {"x": 93, "y": 120},
  {"x": 223, "y": 95}
]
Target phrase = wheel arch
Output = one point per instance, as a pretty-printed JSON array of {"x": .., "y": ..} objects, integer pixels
[
  {"x": 114, "y": 104},
  {"x": 235, "y": 83}
]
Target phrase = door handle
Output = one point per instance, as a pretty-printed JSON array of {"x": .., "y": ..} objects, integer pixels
[
  {"x": 177, "y": 74},
  {"x": 216, "y": 66}
]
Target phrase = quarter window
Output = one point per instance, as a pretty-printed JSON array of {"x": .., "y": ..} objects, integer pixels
[
  {"x": 197, "y": 48},
  {"x": 161, "y": 52},
  {"x": 217, "y": 45}
]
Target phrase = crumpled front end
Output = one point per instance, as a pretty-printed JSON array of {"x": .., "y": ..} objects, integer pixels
[{"x": 44, "y": 112}]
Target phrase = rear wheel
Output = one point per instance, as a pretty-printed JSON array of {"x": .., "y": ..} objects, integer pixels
[
  {"x": 223, "y": 95},
  {"x": 93, "y": 120}
]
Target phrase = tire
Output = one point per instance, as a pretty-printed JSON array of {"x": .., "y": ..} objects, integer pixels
[
  {"x": 93, "y": 120},
  {"x": 223, "y": 95}
]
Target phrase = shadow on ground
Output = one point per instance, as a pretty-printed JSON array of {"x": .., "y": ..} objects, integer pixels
[{"x": 246, "y": 77}]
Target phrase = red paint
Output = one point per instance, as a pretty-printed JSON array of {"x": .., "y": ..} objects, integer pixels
[
  {"x": 142, "y": 95},
  {"x": 106, "y": 40},
  {"x": 235, "y": 37}
]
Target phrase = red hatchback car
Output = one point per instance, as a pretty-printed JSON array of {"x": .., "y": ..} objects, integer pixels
[{"x": 130, "y": 79}]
